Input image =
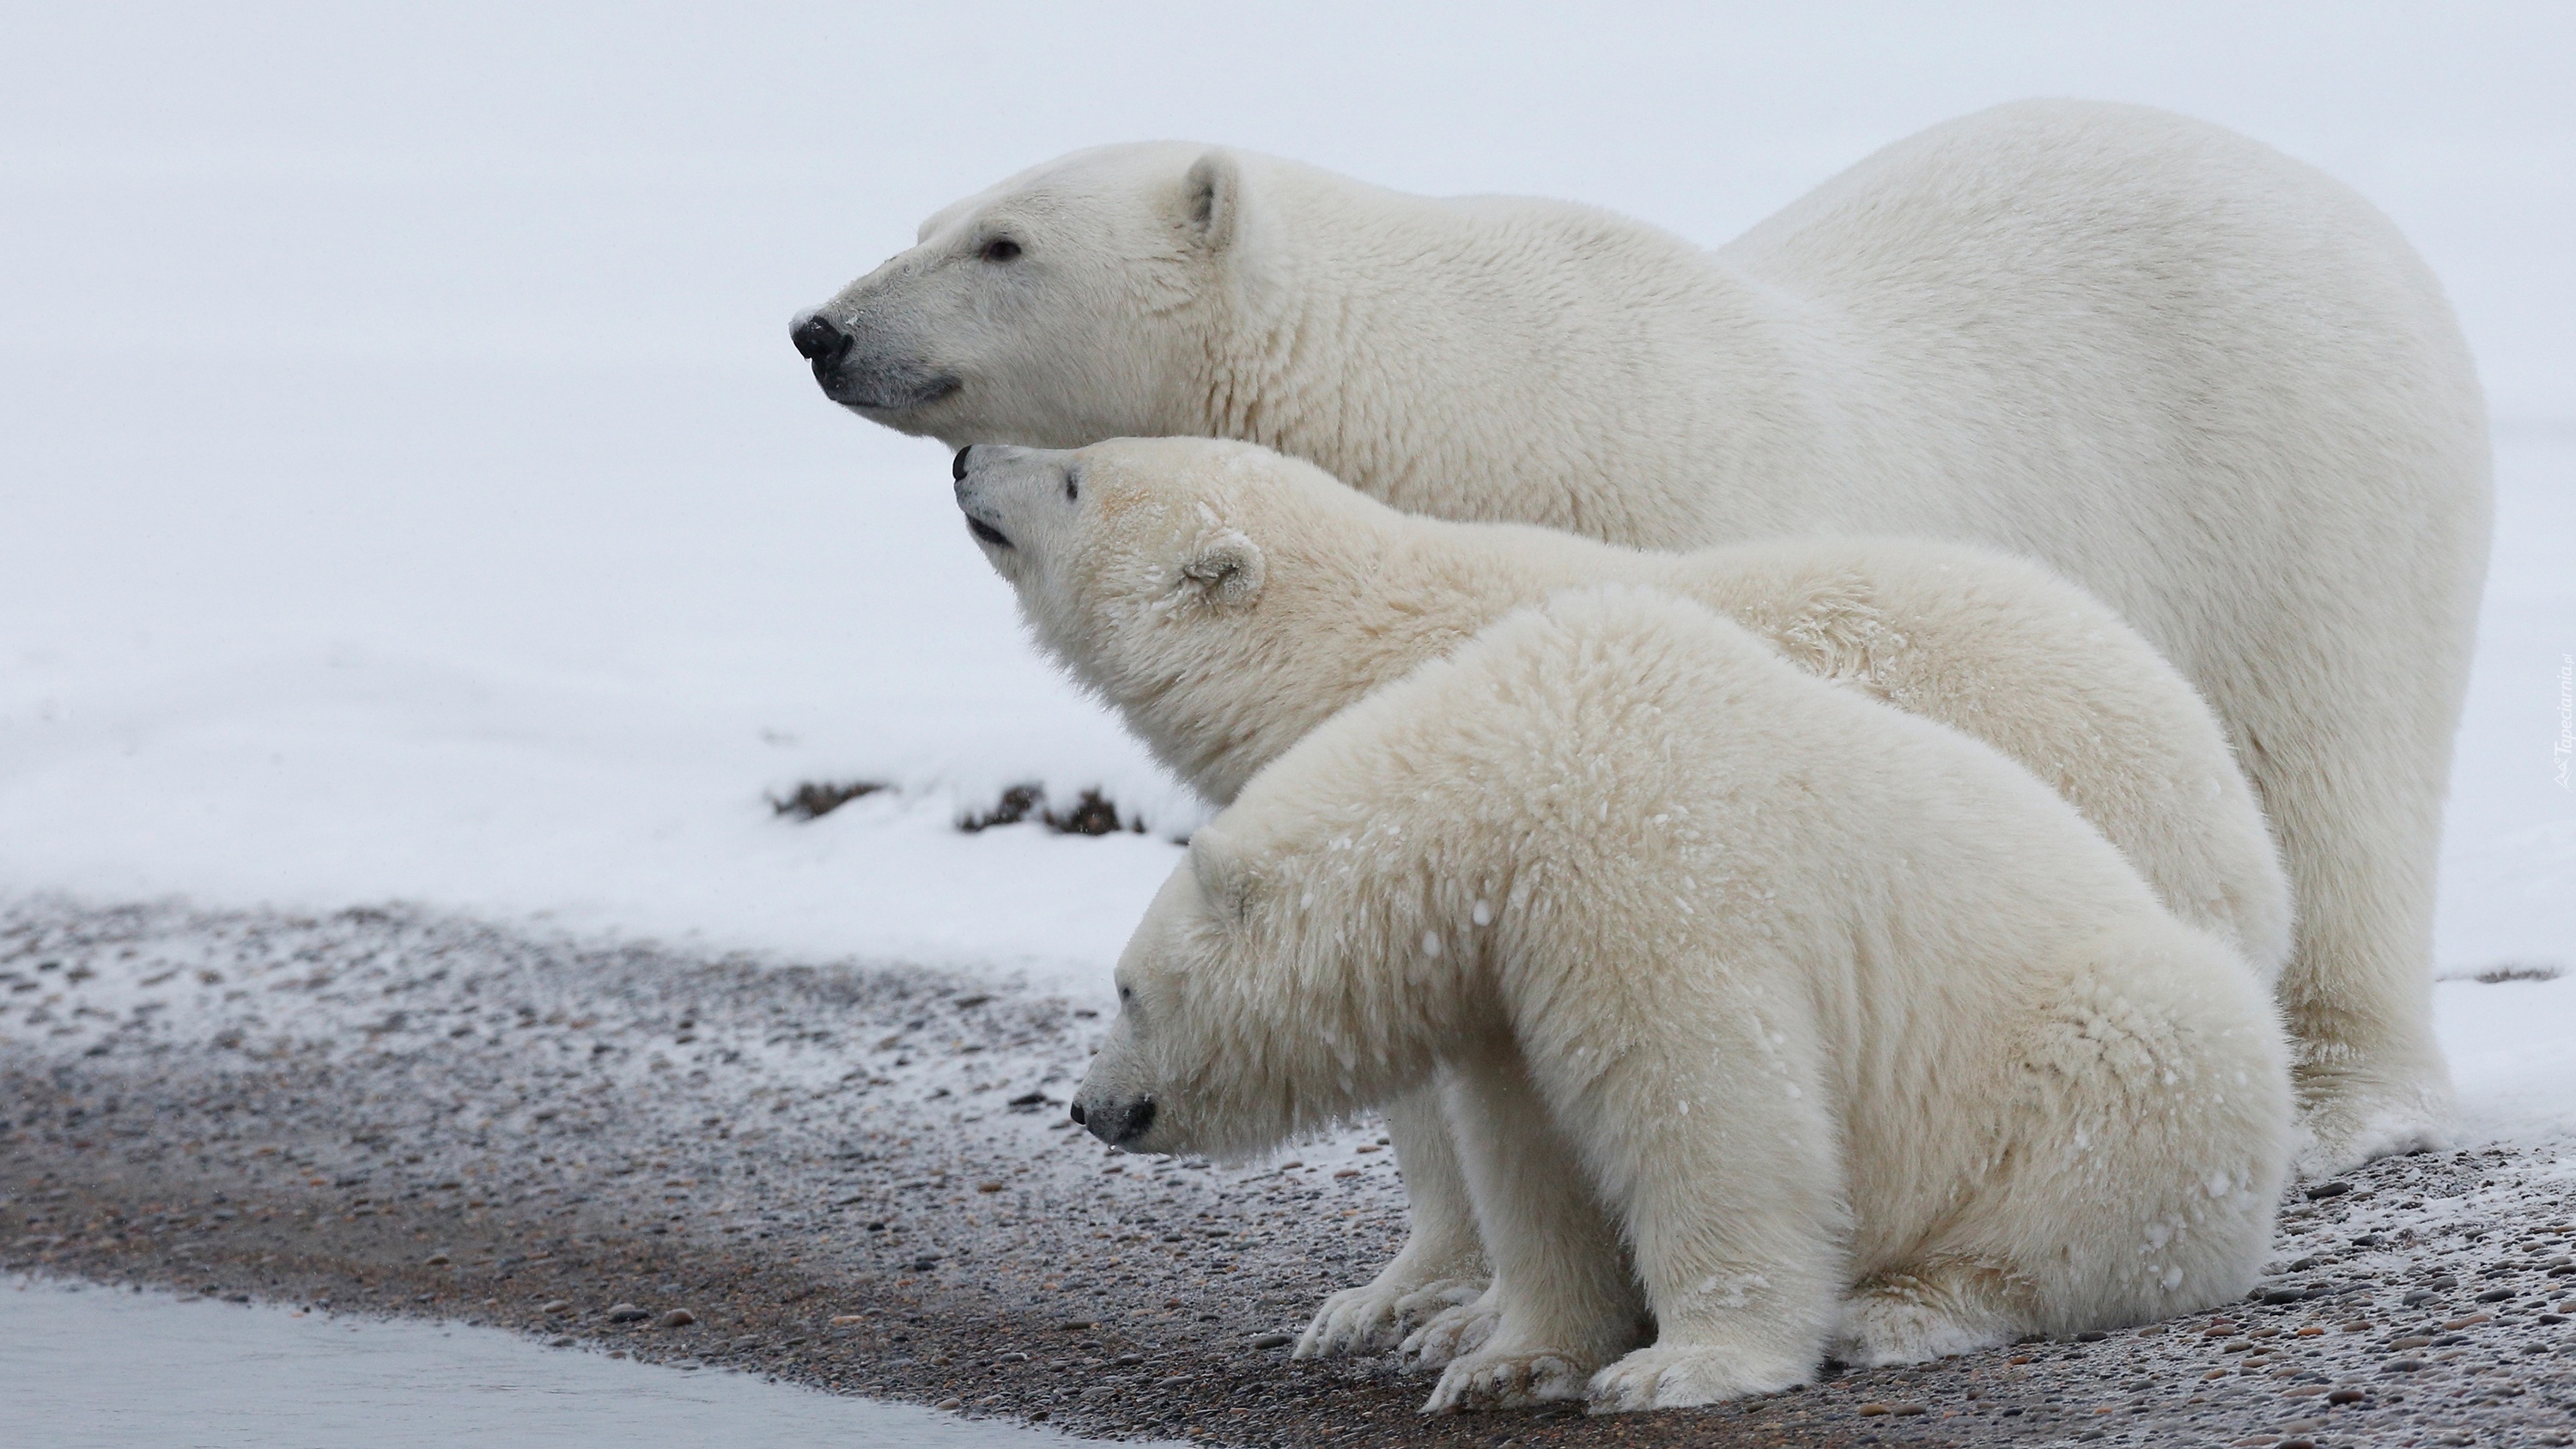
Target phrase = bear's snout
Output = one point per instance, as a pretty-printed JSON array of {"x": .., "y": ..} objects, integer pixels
[
  {"x": 819, "y": 340},
  {"x": 1117, "y": 1123},
  {"x": 980, "y": 516},
  {"x": 860, "y": 365}
]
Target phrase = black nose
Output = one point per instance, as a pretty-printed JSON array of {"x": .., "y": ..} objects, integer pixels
[
  {"x": 957, "y": 470},
  {"x": 819, "y": 339},
  {"x": 1077, "y": 1107}
]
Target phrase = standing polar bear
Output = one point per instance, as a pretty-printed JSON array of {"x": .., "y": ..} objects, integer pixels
[
  {"x": 2204, "y": 381},
  {"x": 1227, "y": 600},
  {"x": 1849, "y": 1031}
]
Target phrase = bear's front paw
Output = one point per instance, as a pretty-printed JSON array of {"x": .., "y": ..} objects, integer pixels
[
  {"x": 1508, "y": 1381},
  {"x": 1453, "y": 1333},
  {"x": 1682, "y": 1376},
  {"x": 1373, "y": 1316},
  {"x": 1427, "y": 1299}
]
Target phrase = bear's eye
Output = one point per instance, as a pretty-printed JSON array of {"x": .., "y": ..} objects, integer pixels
[
  {"x": 1072, "y": 488},
  {"x": 1125, "y": 994},
  {"x": 1000, "y": 249}
]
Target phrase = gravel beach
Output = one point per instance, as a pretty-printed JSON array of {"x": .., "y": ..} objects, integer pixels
[{"x": 859, "y": 1176}]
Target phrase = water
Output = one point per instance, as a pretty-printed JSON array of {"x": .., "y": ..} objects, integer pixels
[{"x": 102, "y": 1368}]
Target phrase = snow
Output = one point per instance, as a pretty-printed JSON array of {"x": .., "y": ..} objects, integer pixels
[{"x": 407, "y": 491}]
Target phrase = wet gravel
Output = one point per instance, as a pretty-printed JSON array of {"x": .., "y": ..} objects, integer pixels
[{"x": 857, "y": 1176}]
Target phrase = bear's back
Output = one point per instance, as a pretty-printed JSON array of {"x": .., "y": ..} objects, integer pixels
[
  {"x": 1616, "y": 741},
  {"x": 2003, "y": 650}
]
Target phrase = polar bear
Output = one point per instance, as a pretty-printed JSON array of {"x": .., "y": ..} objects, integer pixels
[
  {"x": 1845, "y": 1028},
  {"x": 2205, "y": 381},
  {"x": 1227, "y": 599}
]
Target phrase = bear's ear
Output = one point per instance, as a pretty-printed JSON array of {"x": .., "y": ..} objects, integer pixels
[
  {"x": 1225, "y": 568},
  {"x": 1212, "y": 200},
  {"x": 1222, "y": 881}
]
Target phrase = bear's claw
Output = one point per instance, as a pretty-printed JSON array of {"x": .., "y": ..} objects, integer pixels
[
  {"x": 1682, "y": 1376},
  {"x": 1374, "y": 1316},
  {"x": 1453, "y": 1333},
  {"x": 1507, "y": 1381}
]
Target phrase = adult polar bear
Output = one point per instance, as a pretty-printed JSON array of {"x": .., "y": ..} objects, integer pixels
[{"x": 2207, "y": 382}]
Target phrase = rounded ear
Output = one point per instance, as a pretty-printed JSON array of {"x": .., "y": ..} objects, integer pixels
[
  {"x": 1212, "y": 200},
  {"x": 1225, "y": 568},
  {"x": 1222, "y": 881}
]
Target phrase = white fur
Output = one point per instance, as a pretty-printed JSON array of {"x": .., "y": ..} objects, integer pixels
[
  {"x": 2204, "y": 381},
  {"x": 1227, "y": 599},
  {"x": 1849, "y": 1030}
]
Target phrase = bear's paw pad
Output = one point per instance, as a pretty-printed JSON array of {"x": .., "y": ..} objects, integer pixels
[
  {"x": 1452, "y": 1333},
  {"x": 1681, "y": 1377},
  {"x": 1508, "y": 1381}
]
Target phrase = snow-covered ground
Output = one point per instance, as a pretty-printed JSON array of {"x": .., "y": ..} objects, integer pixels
[{"x": 407, "y": 491}]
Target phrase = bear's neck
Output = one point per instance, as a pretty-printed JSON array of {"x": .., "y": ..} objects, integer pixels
[
  {"x": 1523, "y": 362},
  {"x": 1386, "y": 595}
]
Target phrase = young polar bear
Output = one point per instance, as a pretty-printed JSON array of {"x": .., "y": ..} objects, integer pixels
[
  {"x": 2199, "y": 378},
  {"x": 1227, "y": 600},
  {"x": 1847, "y": 1028}
]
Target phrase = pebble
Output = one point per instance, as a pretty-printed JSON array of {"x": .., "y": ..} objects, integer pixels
[
  {"x": 676, "y": 1318},
  {"x": 625, "y": 1313},
  {"x": 559, "y": 1306},
  {"x": 436, "y": 1260},
  {"x": 1272, "y": 1340},
  {"x": 565, "y": 1341}
]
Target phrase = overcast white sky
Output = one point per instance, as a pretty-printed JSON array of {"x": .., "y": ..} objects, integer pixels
[{"x": 810, "y": 138}]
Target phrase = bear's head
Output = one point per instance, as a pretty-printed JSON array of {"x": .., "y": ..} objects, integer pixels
[
  {"x": 1057, "y": 308},
  {"x": 1189, "y": 1065},
  {"x": 1204, "y": 588}
]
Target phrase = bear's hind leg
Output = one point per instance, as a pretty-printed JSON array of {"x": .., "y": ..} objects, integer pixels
[
  {"x": 1563, "y": 1301},
  {"x": 1442, "y": 1265},
  {"x": 1934, "y": 1309}
]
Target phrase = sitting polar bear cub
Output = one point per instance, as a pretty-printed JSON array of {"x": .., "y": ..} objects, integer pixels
[
  {"x": 1846, "y": 1028},
  {"x": 1227, "y": 599}
]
